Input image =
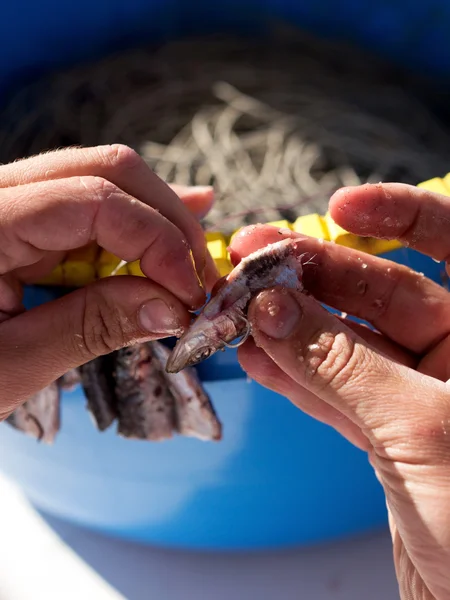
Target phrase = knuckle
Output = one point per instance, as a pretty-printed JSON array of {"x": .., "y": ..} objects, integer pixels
[
  {"x": 103, "y": 329},
  {"x": 139, "y": 226},
  {"x": 382, "y": 303},
  {"x": 119, "y": 157},
  {"x": 97, "y": 191},
  {"x": 99, "y": 187},
  {"x": 331, "y": 359},
  {"x": 383, "y": 300}
]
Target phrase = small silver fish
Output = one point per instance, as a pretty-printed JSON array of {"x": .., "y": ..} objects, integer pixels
[
  {"x": 98, "y": 386},
  {"x": 223, "y": 319},
  {"x": 39, "y": 416},
  {"x": 145, "y": 406},
  {"x": 194, "y": 413}
]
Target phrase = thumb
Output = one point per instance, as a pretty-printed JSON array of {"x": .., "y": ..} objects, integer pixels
[
  {"x": 403, "y": 414},
  {"x": 386, "y": 399},
  {"x": 42, "y": 344}
]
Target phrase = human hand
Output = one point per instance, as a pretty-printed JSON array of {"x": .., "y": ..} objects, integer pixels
[
  {"x": 384, "y": 390},
  {"x": 106, "y": 195}
]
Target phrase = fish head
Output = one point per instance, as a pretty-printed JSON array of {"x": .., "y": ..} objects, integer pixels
[{"x": 196, "y": 345}]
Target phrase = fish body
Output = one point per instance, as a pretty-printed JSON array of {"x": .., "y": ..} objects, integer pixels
[
  {"x": 223, "y": 319},
  {"x": 145, "y": 406},
  {"x": 98, "y": 387},
  {"x": 39, "y": 417},
  {"x": 194, "y": 412},
  {"x": 133, "y": 387}
]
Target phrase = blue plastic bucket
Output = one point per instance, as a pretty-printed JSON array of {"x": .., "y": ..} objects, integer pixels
[
  {"x": 278, "y": 478},
  {"x": 37, "y": 36}
]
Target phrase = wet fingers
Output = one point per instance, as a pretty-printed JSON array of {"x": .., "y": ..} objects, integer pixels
[{"x": 404, "y": 305}]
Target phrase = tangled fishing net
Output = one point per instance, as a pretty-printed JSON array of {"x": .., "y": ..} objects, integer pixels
[{"x": 276, "y": 126}]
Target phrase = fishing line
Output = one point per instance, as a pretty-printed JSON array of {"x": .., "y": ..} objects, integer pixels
[
  {"x": 275, "y": 126},
  {"x": 244, "y": 338}
]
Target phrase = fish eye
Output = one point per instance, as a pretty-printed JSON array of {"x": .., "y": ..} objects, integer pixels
[{"x": 202, "y": 354}]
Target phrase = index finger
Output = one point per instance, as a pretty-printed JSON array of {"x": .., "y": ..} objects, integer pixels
[
  {"x": 197, "y": 199},
  {"x": 64, "y": 214},
  {"x": 414, "y": 216},
  {"x": 123, "y": 167}
]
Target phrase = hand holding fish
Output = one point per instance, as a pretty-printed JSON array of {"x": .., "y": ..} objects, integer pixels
[
  {"x": 387, "y": 391},
  {"x": 56, "y": 202}
]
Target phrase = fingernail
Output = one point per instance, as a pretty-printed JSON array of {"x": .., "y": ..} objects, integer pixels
[
  {"x": 235, "y": 259},
  {"x": 277, "y": 314},
  {"x": 203, "y": 189},
  {"x": 156, "y": 317}
]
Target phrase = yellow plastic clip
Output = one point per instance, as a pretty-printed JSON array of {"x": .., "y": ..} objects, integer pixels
[
  {"x": 107, "y": 263},
  {"x": 135, "y": 269},
  {"x": 217, "y": 246},
  {"x": 79, "y": 267},
  {"x": 342, "y": 237},
  {"x": 438, "y": 185},
  {"x": 446, "y": 181},
  {"x": 281, "y": 224},
  {"x": 377, "y": 247},
  {"x": 313, "y": 225},
  {"x": 56, "y": 277}
]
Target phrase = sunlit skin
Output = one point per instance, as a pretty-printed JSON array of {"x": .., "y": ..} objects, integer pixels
[
  {"x": 108, "y": 196},
  {"x": 223, "y": 318},
  {"x": 385, "y": 391}
]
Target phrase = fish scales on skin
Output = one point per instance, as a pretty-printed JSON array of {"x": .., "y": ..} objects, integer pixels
[
  {"x": 223, "y": 318},
  {"x": 39, "y": 417},
  {"x": 257, "y": 267},
  {"x": 98, "y": 385},
  {"x": 145, "y": 406},
  {"x": 194, "y": 413}
]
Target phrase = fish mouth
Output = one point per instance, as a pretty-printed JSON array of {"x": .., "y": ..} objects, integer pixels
[
  {"x": 191, "y": 349},
  {"x": 178, "y": 360},
  {"x": 190, "y": 354}
]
